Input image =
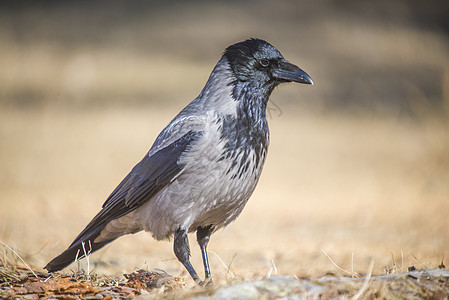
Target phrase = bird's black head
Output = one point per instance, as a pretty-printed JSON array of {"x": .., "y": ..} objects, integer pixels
[{"x": 257, "y": 62}]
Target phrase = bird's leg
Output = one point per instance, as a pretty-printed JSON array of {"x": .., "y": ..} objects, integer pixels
[
  {"x": 182, "y": 252},
  {"x": 203, "y": 236}
]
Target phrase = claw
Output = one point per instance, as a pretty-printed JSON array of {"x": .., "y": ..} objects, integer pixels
[{"x": 207, "y": 283}]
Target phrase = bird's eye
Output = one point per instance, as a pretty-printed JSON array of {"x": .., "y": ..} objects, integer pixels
[{"x": 264, "y": 62}]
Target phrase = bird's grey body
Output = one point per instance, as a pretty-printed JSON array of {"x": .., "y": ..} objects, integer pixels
[
  {"x": 204, "y": 166},
  {"x": 205, "y": 192}
]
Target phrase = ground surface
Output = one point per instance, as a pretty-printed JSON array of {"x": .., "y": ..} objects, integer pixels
[{"x": 422, "y": 284}]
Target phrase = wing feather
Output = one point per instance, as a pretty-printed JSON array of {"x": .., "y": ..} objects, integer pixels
[{"x": 147, "y": 178}]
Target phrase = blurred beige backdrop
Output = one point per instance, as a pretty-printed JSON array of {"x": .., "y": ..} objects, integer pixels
[{"x": 358, "y": 164}]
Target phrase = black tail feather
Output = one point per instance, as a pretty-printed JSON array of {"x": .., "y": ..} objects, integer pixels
[{"x": 77, "y": 251}]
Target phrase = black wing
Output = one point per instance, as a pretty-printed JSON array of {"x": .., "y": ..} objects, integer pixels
[{"x": 147, "y": 178}]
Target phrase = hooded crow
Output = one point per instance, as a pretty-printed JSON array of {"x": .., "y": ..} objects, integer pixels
[{"x": 203, "y": 166}]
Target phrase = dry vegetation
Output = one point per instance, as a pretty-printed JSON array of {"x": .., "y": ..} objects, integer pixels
[{"x": 361, "y": 178}]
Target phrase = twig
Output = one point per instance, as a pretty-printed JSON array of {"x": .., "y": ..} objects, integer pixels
[
  {"x": 272, "y": 268},
  {"x": 442, "y": 266},
  {"x": 77, "y": 254},
  {"x": 365, "y": 283},
  {"x": 353, "y": 274},
  {"x": 352, "y": 264},
  {"x": 87, "y": 256},
  {"x": 228, "y": 268},
  {"x": 77, "y": 260},
  {"x": 19, "y": 258},
  {"x": 420, "y": 263},
  {"x": 402, "y": 260},
  {"x": 395, "y": 266}
]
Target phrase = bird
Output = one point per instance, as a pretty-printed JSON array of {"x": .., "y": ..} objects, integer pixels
[{"x": 203, "y": 166}]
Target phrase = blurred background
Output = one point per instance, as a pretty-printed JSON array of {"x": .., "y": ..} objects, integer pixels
[{"x": 358, "y": 163}]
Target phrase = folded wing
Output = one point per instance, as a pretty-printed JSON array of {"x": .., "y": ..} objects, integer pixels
[{"x": 144, "y": 181}]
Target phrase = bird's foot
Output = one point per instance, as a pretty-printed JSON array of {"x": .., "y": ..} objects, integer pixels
[{"x": 206, "y": 283}]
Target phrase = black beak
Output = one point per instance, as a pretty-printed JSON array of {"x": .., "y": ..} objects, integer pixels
[{"x": 289, "y": 72}]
